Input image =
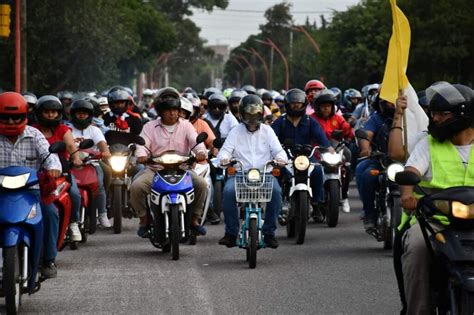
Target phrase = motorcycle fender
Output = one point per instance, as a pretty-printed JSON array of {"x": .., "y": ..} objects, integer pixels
[
  {"x": 330, "y": 176},
  {"x": 173, "y": 199},
  {"x": 117, "y": 181},
  {"x": 301, "y": 187}
]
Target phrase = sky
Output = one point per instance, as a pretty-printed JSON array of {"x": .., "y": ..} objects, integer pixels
[{"x": 243, "y": 17}]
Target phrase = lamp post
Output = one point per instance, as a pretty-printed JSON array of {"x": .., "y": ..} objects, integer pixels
[
  {"x": 269, "y": 42},
  {"x": 264, "y": 64},
  {"x": 251, "y": 68},
  {"x": 309, "y": 37},
  {"x": 238, "y": 73}
]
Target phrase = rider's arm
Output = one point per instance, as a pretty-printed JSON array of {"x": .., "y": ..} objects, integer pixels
[
  {"x": 104, "y": 149},
  {"x": 364, "y": 145},
  {"x": 52, "y": 163},
  {"x": 71, "y": 148},
  {"x": 396, "y": 149},
  {"x": 406, "y": 192},
  {"x": 227, "y": 150}
]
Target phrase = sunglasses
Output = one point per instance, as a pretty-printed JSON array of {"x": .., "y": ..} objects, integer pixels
[
  {"x": 14, "y": 117},
  {"x": 220, "y": 106}
]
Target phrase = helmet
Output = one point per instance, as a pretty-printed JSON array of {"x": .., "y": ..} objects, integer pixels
[
  {"x": 227, "y": 92},
  {"x": 349, "y": 94},
  {"x": 457, "y": 99},
  {"x": 261, "y": 91},
  {"x": 30, "y": 98},
  {"x": 189, "y": 90},
  {"x": 314, "y": 84},
  {"x": 250, "y": 89},
  {"x": 267, "y": 96},
  {"x": 147, "y": 92},
  {"x": 81, "y": 106},
  {"x": 186, "y": 106},
  {"x": 217, "y": 106},
  {"x": 209, "y": 91},
  {"x": 196, "y": 105},
  {"x": 65, "y": 95},
  {"x": 236, "y": 95},
  {"x": 52, "y": 103},
  {"x": 95, "y": 102},
  {"x": 117, "y": 94},
  {"x": 372, "y": 91},
  {"x": 325, "y": 97},
  {"x": 251, "y": 111},
  {"x": 13, "y": 105},
  {"x": 337, "y": 94},
  {"x": 167, "y": 98},
  {"x": 295, "y": 96}
]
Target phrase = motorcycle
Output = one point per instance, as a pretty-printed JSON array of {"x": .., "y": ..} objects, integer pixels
[
  {"x": 218, "y": 180},
  {"x": 21, "y": 233},
  {"x": 171, "y": 193},
  {"x": 122, "y": 146},
  {"x": 87, "y": 181},
  {"x": 299, "y": 189},
  {"x": 387, "y": 196},
  {"x": 451, "y": 249},
  {"x": 253, "y": 189}
]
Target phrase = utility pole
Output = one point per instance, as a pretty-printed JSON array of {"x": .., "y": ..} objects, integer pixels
[{"x": 24, "y": 67}]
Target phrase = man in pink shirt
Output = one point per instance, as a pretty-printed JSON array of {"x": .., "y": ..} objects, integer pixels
[{"x": 168, "y": 132}]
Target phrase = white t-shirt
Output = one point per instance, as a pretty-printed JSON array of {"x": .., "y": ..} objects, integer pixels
[
  {"x": 421, "y": 160},
  {"x": 227, "y": 124},
  {"x": 91, "y": 132}
]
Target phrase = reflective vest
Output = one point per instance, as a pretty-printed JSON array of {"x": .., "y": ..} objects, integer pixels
[{"x": 448, "y": 171}]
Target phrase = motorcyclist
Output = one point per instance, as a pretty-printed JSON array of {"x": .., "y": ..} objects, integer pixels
[
  {"x": 234, "y": 101},
  {"x": 121, "y": 118},
  {"x": 66, "y": 99},
  {"x": 49, "y": 113},
  {"x": 312, "y": 88},
  {"x": 443, "y": 159},
  {"x": 169, "y": 132},
  {"x": 362, "y": 112},
  {"x": 324, "y": 114},
  {"x": 31, "y": 100},
  {"x": 351, "y": 99},
  {"x": 217, "y": 114},
  {"x": 24, "y": 145},
  {"x": 377, "y": 127},
  {"x": 302, "y": 129},
  {"x": 82, "y": 112},
  {"x": 267, "y": 99},
  {"x": 252, "y": 143}
]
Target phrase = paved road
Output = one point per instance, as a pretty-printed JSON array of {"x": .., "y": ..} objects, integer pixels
[{"x": 339, "y": 270}]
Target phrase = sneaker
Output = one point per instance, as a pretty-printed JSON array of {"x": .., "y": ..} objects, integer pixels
[
  {"x": 228, "y": 240},
  {"x": 49, "y": 270},
  {"x": 345, "y": 205},
  {"x": 104, "y": 221},
  {"x": 270, "y": 241},
  {"x": 199, "y": 229},
  {"x": 369, "y": 224},
  {"x": 317, "y": 215},
  {"x": 142, "y": 231},
  {"x": 213, "y": 218},
  {"x": 75, "y": 232}
]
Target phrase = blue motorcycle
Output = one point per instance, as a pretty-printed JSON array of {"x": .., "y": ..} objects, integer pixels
[
  {"x": 171, "y": 193},
  {"x": 21, "y": 233}
]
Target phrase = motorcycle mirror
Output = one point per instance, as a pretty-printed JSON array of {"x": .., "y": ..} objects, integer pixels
[
  {"x": 361, "y": 134},
  {"x": 86, "y": 144},
  {"x": 407, "y": 178},
  {"x": 217, "y": 143},
  {"x": 139, "y": 140},
  {"x": 201, "y": 137},
  {"x": 288, "y": 143},
  {"x": 336, "y": 134},
  {"x": 57, "y": 147}
]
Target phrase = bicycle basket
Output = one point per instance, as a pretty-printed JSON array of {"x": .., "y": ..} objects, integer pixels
[{"x": 246, "y": 191}]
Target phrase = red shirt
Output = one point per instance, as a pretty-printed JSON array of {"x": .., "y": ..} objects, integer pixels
[
  {"x": 58, "y": 135},
  {"x": 333, "y": 123}
]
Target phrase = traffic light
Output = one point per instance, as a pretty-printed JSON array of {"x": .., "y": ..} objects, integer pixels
[{"x": 5, "y": 11}]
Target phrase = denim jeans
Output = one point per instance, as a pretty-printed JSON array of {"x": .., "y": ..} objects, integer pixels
[
  {"x": 51, "y": 231},
  {"x": 231, "y": 212},
  {"x": 101, "y": 198},
  {"x": 366, "y": 185},
  {"x": 75, "y": 199}
]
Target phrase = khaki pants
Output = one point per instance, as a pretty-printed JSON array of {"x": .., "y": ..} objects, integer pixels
[
  {"x": 141, "y": 187},
  {"x": 416, "y": 264}
]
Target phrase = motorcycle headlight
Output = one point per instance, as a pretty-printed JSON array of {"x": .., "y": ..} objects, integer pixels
[
  {"x": 253, "y": 175},
  {"x": 169, "y": 158},
  {"x": 331, "y": 158},
  {"x": 14, "y": 182},
  {"x": 393, "y": 169},
  {"x": 462, "y": 211},
  {"x": 118, "y": 163},
  {"x": 301, "y": 163}
]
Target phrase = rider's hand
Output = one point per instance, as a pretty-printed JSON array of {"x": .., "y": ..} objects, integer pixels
[
  {"x": 331, "y": 150},
  {"x": 201, "y": 156},
  {"x": 76, "y": 161},
  {"x": 142, "y": 159},
  {"x": 225, "y": 162},
  {"x": 402, "y": 104},
  {"x": 409, "y": 202},
  {"x": 106, "y": 155},
  {"x": 54, "y": 173},
  {"x": 280, "y": 163},
  {"x": 214, "y": 151}
]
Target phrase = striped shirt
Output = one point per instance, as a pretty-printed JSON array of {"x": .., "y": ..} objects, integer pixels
[{"x": 29, "y": 150}]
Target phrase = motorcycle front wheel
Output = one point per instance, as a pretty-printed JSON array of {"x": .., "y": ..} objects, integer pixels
[
  {"x": 333, "y": 198},
  {"x": 175, "y": 232},
  {"x": 252, "y": 243},
  {"x": 11, "y": 279},
  {"x": 301, "y": 216},
  {"x": 117, "y": 204}
]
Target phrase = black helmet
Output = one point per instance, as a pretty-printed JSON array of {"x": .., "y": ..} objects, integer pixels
[
  {"x": 454, "y": 98},
  {"x": 217, "y": 105},
  {"x": 52, "y": 103},
  {"x": 82, "y": 106},
  {"x": 96, "y": 103},
  {"x": 250, "y": 89},
  {"x": 30, "y": 98},
  {"x": 267, "y": 96},
  {"x": 115, "y": 94},
  {"x": 325, "y": 97},
  {"x": 167, "y": 98},
  {"x": 251, "y": 111},
  {"x": 295, "y": 96}
]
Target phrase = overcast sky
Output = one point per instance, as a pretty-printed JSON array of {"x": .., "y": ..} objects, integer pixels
[{"x": 243, "y": 17}]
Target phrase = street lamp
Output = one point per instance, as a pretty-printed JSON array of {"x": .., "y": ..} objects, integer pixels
[
  {"x": 309, "y": 37},
  {"x": 265, "y": 66},
  {"x": 251, "y": 68},
  {"x": 269, "y": 42}
]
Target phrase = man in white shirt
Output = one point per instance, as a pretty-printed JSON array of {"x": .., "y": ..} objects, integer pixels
[
  {"x": 251, "y": 143},
  {"x": 217, "y": 115}
]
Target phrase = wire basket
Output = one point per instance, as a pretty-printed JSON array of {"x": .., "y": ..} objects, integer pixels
[{"x": 246, "y": 191}]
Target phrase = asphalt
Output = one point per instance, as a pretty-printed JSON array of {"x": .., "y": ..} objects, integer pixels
[{"x": 338, "y": 270}]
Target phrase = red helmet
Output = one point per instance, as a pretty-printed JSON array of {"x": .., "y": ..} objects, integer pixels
[
  {"x": 13, "y": 105},
  {"x": 314, "y": 84}
]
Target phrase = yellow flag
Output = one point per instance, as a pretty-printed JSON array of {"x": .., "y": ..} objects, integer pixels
[{"x": 394, "y": 78}]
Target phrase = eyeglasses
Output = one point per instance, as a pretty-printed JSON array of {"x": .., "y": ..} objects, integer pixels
[
  {"x": 14, "y": 117},
  {"x": 441, "y": 114}
]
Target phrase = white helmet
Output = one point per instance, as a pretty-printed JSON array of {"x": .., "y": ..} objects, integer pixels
[{"x": 187, "y": 106}]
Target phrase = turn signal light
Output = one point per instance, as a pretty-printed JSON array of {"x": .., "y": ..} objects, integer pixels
[
  {"x": 231, "y": 170},
  {"x": 374, "y": 172},
  {"x": 276, "y": 172}
]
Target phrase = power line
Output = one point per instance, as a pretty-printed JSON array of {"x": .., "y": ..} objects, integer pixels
[{"x": 263, "y": 11}]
